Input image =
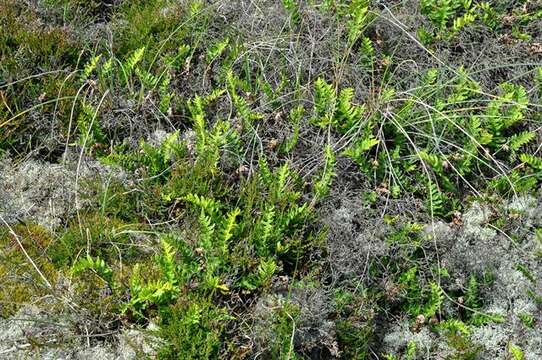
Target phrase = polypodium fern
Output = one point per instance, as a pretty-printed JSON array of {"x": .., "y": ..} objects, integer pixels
[
  {"x": 435, "y": 200},
  {"x": 515, "y": 142},
  {"x": 90, "y": 132},
  {"x": 90, "y": 66},
  {"x": 534, "y": 162},
  {"x": 97, "y": 265},
  {"x": 227, "y": 230},
  {"x": 294, "y": 118},
  {"x": 358, "y": 21},
  {"x": 337, "y": 110},
  {"x": 348, "y": 115},
  {"x": 325, "y": 100},
  {"x": 241, "y": 104},
  {"x": 323, "y": 184},
  {"x": 434, "y": 301}
]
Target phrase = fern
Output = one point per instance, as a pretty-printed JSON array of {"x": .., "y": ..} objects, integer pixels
[
  {"x": 516, "y": 141},
  {"x": 516, "y": 352},
  {"x": 96, "y": 265},
  {"x": 368, "y": 50},
  {"x": 534, "y": 162},
  {"x": 454, "y": 327},
  {"x": 323, "y": 184},
  {"x": 207, "y": 205},
  {"x": 134, "y": 59},
  {"x": 472, "y": 293},
  {"x": 241, "y": 104},
  {"x": 506, "y": 110},
  {"x": 358, "y": 151},
  {"x": 434, "y": 302},
  {"x": 266, "y": 231},
  {"x": 167, "y": 261},
  {"x": 266, "y": 270},
  {"x": 295, "y": 118},
  {"x": 165, "y": 94},
  {"x": 435, "y": 200},
  {"x": 292, "y": 8},
  {"x": 358, "y": 21},
  {"x": 281, "y": 178},
  {"x": 148, "y": 80},
  {"x": 217, "y": 50},
  {"x": 88, "y": 125},
  {"x": 348, "y": 115},
  {"x": 207, "y": 231},
  {"x": 325, "y": 99},
  {"x": 433, "y": 160},
  {"x": 265, "y": 174},
  {"x": 90, "y": 67},
  {"x": 227, "y": 231}
]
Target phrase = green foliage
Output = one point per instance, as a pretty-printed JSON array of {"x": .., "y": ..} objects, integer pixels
[
  {"x": 516, "y": 352},
  {"x": 241, "y": 104},
  {"x": 435, "y": 201},
  {"x": 192, "y": 330},
  {"x": 294, "y": 118},
  {"x": 217, "y": 49},
  {"x": 335, "y": 109},
  {"x": 292, "y": 7},
  {"x": 323, "y": 184},
  {"x": 448, "y": 17},
  {"x": 358, "y": 19},
  {"x": 419, "y": 299},
  {"x": 283, "y": 329},
  {"x": 88, "y": 124},
  {"x": 96, "y": 265}
]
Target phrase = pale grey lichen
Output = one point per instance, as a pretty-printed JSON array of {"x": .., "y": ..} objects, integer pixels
[{"x": 45, "y": 193}]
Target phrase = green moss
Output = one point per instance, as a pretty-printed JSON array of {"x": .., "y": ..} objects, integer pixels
[
  {"x": 20, "y": 281},
  {"x": 101, "y": 236}
]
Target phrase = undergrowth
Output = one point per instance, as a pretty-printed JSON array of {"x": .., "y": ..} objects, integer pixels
[{"x": 215, "y": 215}]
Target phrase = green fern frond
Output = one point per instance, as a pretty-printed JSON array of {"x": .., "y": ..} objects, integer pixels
[
  {"x": 433, "y": 160},
  {"x": 348, "y": 115},
  {"x": 166, "y": 95},
  {"x": 266, "y": 231},
  {"x": 90, "y": 67},
  {"x": 88, "y": 125},
  {"x": 295, "y": 116},
  {"x": 358, "y": 151},
  {"x": 531, "y": 160},
  {"x": 281, "y": 178},
  {"x": 97, "y": 265},
  {"x": 134, "y": 59},
  {"x": 167, "y": 261},
  {"x": 434, "y": 302},
  {"x": 454, "y": 326},
  {"x": 323, "y": 184},
  {"x": 217, "y": 50},
  {"x": 265, "y": 175},
  {"x": 368, "y": 50},
  {"x": 516, "y": 141},
  {"x": 292, "y": 8},
  {"x": 325, "y": 100},
  {"x": 241, "y": 104},
  {"x": 228, "y": 228},
  {"x": 435, "y": 200},
  {"x": 148, "y": 80},
  {"x": 358, "y": 21},
  {"x": 208, "y": 205},
  {"x": 207, "y": 231}
]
